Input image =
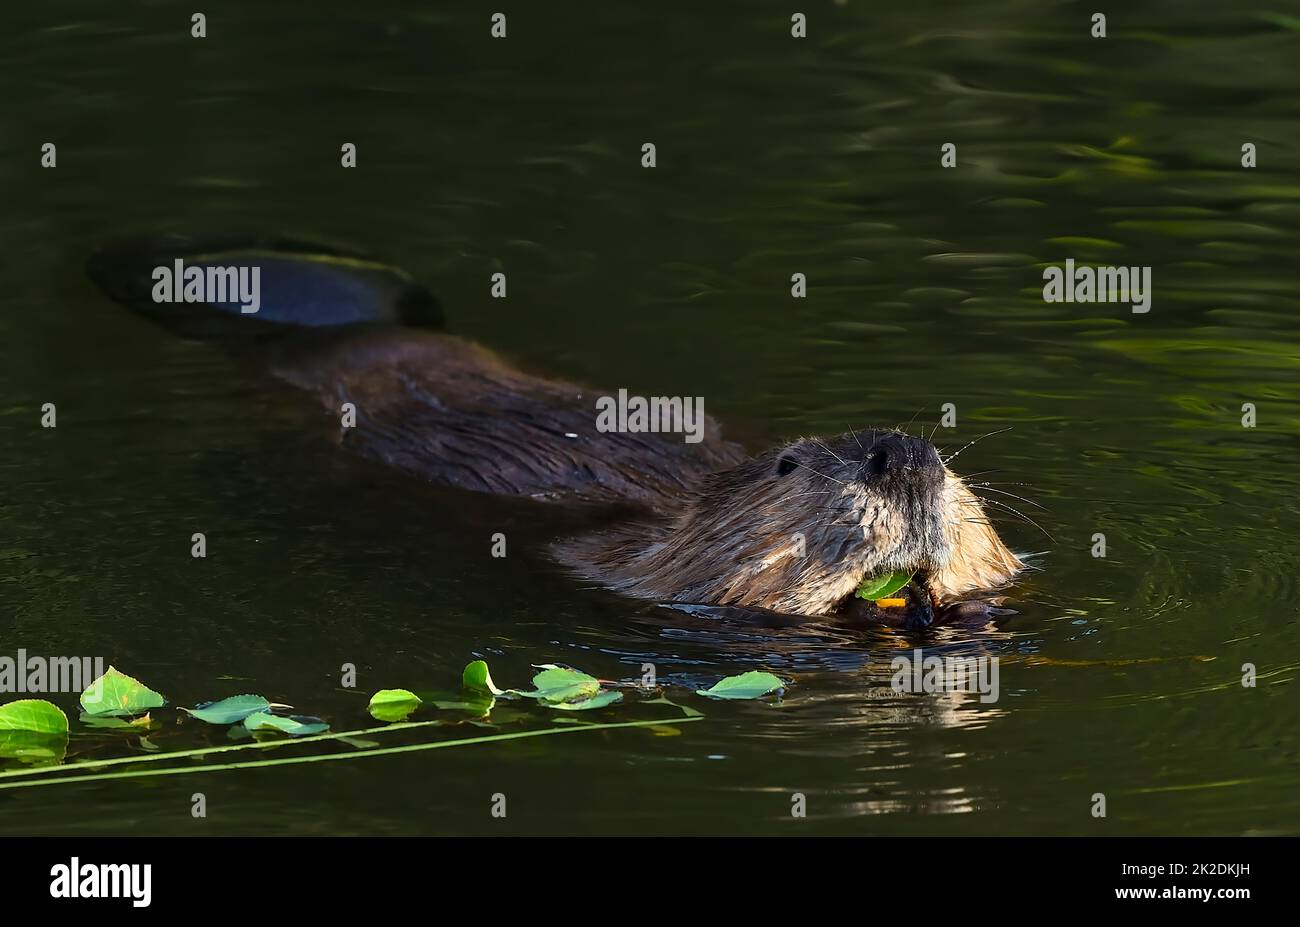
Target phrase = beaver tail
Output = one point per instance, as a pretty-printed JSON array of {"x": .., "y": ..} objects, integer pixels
[
  {"x": 233, "y": 287},
  {"x": 354, "y": 334}
]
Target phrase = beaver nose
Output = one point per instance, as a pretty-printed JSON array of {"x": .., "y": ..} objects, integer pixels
[{"x": 900, "y": 452}]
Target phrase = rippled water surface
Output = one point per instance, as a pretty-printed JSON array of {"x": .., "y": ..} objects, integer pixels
[{"x": 820, "y": 156}]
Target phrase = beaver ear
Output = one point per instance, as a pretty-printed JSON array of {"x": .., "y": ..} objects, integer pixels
[{"x": 790, "y": 458}]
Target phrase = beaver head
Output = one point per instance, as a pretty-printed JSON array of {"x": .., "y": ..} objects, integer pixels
[{"x": 798, "y": 528}]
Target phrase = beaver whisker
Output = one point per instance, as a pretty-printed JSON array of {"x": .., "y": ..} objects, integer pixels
[
  {"x": 989, "y": 488},
  {"x": 829, "y": 451},
  {"x": 822, "y": 475},
  {"x": 949, "y": 460},
  {"x": 903, "y": 430},
  {"x": 1029, "y": 520},
  {"x": 988, "y": 483},
  {"x": 856, "y": 438}
]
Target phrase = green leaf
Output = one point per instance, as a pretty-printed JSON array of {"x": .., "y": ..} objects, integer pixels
[
  {"x": 116, "y": 693},
  {"x": 599, "y": 700},
  {"x": 33, "y": 748},
  {"x": 477, "y": 677},
  {"x": 229, "y": 710},
  {"x": 747, "y": 685},
  {"x": 881, "y": 587},
  {"x": 297, "y": 726},
  {"x": 33, "y": 778},
  {"x": 475, "y": 706},
  {"x": 393, "y": 704},
  {"x": 558, "y": 684},
  {"x": 33, "y": 714},
  {"x": 135, "y": 725}
]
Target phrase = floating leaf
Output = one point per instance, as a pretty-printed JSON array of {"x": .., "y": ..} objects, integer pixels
[
  {"x": 477, "y": 677},
  {"x": 35, "y": 715},
  {"x": 57, "y": 776},
  {"x": 476, "y": 701},
  {"x": 879, "y": 587},
  {"x": 477, "y": 706},
  {"x": 747, "y": 685},
  {"x": 33, "y": 731},
  {"x": 393, "y": 704},
  {"x": 116, "y": 693},
  {"x": 33, "y": 748},
  {"x": 297, "y": 726},
  {"x": 599, "y": 700},
  {"x": 229, "y": 710},
  {"x": 142, "y": 723},
  {"x": 558, "y": 684}
]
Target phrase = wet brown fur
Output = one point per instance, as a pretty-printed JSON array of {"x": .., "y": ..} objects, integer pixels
[{"x": 720, "y": 527}]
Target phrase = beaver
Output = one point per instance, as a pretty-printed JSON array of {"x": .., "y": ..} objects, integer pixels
[{"x": 793, "y": 530}]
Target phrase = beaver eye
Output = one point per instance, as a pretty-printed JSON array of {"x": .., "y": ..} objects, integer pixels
[{"x": 785, "y": 465}]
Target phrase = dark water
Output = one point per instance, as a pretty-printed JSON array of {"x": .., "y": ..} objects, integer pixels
[{"x": 776, "y": 156}]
